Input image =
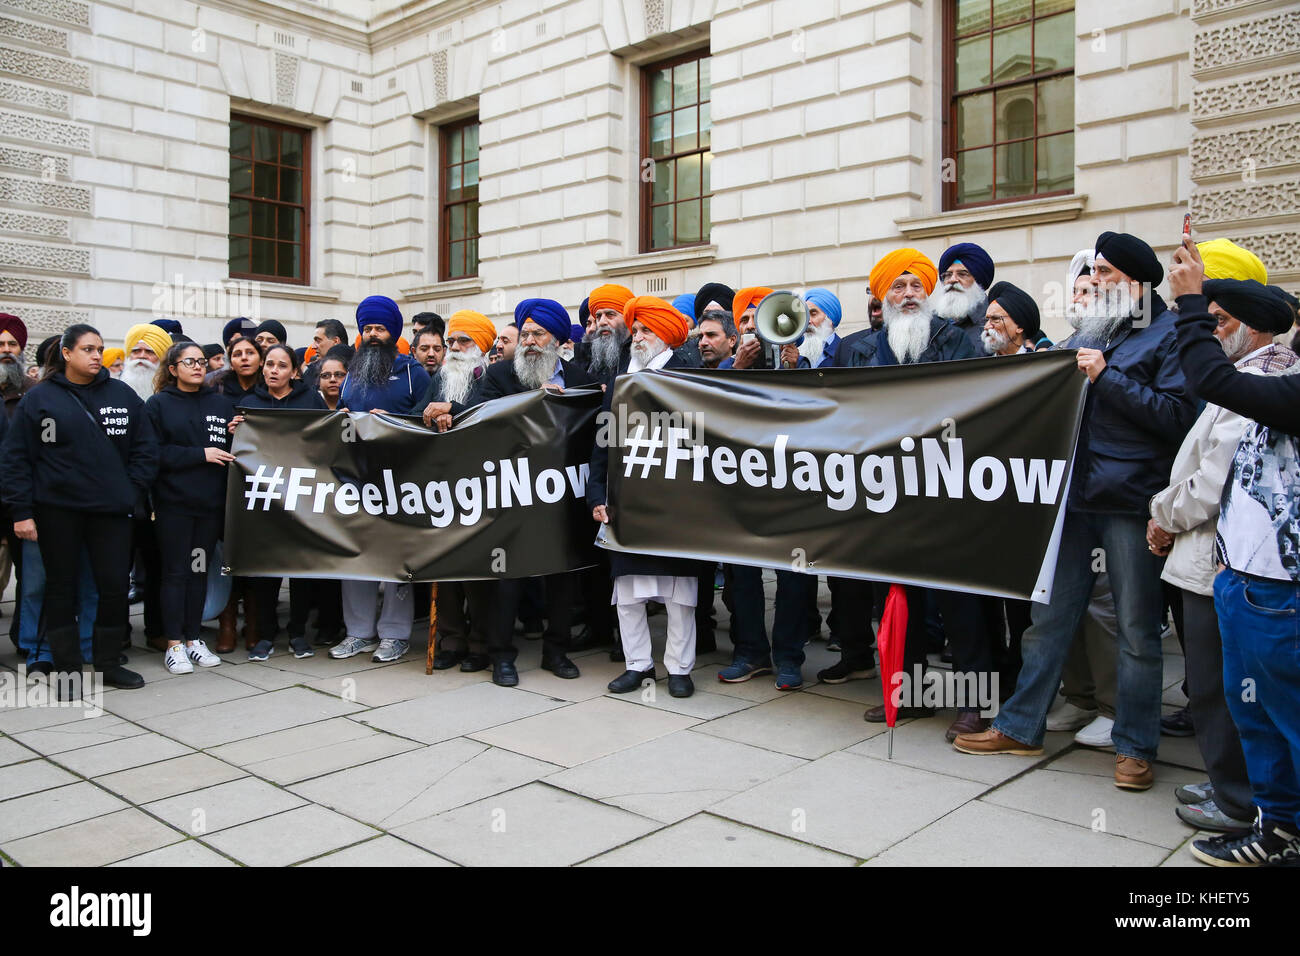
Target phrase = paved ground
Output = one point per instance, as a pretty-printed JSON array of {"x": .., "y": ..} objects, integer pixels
[{"x": 335, "y": 763}]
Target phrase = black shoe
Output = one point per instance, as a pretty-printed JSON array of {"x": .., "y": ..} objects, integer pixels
[
  {"x": 134, "y": 596},
  {"x": 329, "y": 638},
  {"x": 586, "y": 640},
  {"x": 876, "y": 715},
  {"x": 945, "y": 655},
  {"x": 122, "y": 678},
  {"x": 681, "y": 685},
  {"x": 504, "y": 674},
  {"x": 1265, "y": 844},
  {"x": 40, "y": 667},
  {"x": 1178, "y": 724},
  {"x": 475, "y": 662},
  {"x": 560, "y": 666},
  {"x": 629, "y": 681},
  {"x": 445, "y": 660},
  {"x": 843, "y": 671}
]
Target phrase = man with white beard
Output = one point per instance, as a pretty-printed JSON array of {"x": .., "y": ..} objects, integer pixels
[
  {"x": 965, "y": 272},
  {"x": 469, "y": 337},
  {"x": 543, "y": 324},
  {"x": 608, "y": 335},
  {"x": 657, "y": 329},
  {"x": 14, "y": 381},
  {"x": 145, "y": 346},
  {"x": 820, "y": 340},
  {"x": 1010, "y": 321},
  {"x": 1137, "y": 411}
]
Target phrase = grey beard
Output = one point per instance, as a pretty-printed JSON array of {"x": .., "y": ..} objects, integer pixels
[
  {"x": 994, "y": 341},
  {"x": 11, "y": 374},
  {"x": 907, "y": 333},
  {"x": 1237, "y": 345},
  {"x": 139, "y": 375},
  {"x": 814, "y": 342},
  {"x": 953, "y": 304},
  {"x": 645, "y": 352},
  {"x": 605, "y": 350},
  {"x": 534, "y": 371},
  {"x": 373, "y": 364},
  {"x": 1103, "y": 314},
  {"x": 457, "y": 372}
]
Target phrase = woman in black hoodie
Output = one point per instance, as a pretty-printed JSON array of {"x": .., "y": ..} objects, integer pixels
[
  {"x": 77, "y": 462},
  {"x": 281, "y": 388},
  {"x": 189, "y": 497},
  {"x": 243, "y": 369}
]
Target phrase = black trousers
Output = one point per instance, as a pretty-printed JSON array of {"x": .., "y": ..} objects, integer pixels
[
  {"x": 1017, "y": 613},
  {"x": 853, "y": 599},
  {"x": 320, "y": 593},
  {"x": 597, "y": 586},
  {"x": 457, "y": 629},
  {"x": 557, "y": 601},
  {"x": 266, "y": 594},
  {"x": 967, "y": 620},
  {"x": 185, "y": 547},
  {"x": 145, "y": 551},
  {"x": 705, "y": 622},
  {"x": 62, "y": 535},
  {"x": 855, "y": 643}
]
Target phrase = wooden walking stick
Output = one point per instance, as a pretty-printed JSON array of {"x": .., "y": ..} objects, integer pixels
[{"x": 433, "y": 628}]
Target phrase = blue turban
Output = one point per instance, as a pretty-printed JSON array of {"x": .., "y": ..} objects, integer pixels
[
  {"x": 547, "y": 313},
  {"x": 827, "y": 301},
  {"x": 576, "y": 332},
  {"x": 685, "y": 304},
  {"x": 170, "y": 326},
  {"x": 977, "y": 262},
  {"x": 380, "y": 310},
  {"x": 240, "y": 326}
]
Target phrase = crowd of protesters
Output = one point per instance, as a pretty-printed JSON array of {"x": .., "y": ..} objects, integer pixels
[{"x": 1187, "y": 478}]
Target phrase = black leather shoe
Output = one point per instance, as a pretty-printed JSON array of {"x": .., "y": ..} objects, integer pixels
[
  {"x": 681, "y": 685},
  {"x": 445, "y": 660},
  {"x": 561, "y": 666},
  {"x": 629, "y": 681},
  {"x": 475, "y": 662},
  {"x": 134, "y": 596},
  {"x": 504, "y": 674},
  {"x": 586, "y": 640},
  {"x": 876, "y": 715},
  {"x": 122, "y": 678}
]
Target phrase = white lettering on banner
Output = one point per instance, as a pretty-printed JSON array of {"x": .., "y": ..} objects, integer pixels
[{"x": 840, "y": 476}]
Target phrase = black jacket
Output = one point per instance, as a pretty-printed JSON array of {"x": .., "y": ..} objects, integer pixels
[
  {"x": 434, "y": 393},
  {"x": 947, "y": 343},
  {"x": 226, "y": 381},
  {"x": 500, "y": 380},
  {"x": 186, "y": 423},
  {"x": 80, "y": 447},
  {"x": 301, "y": 395}
]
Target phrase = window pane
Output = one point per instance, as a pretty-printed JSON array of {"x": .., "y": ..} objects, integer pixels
[
  {"x": 263, "y": 220},
  {"x": 453, "y": 148},
  {"x": 457, "y": 226},
  {"x": 291, "y": 148},
  {"x": 241, "y": 138},
  {"x": 288, "y": 259},
  {"x": 972, "y": 63},
  {"x": 975, "y": 176},
  {"x": 1054, "y": 43},
  {"x": 661, "y": 91},
  {"x": 471, "y": 257},
  {"x": 684, "y": 129},
  {"x": 239, "y": 255},
  {"x": 1043, "y": 8},
  {"x": 661, "y": 222},
  {"x": 688, "y": 177},
  {"x": 706, "y": 222},
  {"x": 239, "y": 221},
  {"x": 660, "y": 134},
  {"x": 263, "y": 257},
  {"x": 1011, "y": 53},
  {"x": 266, "y": 143},
  {"x": 661, "y": 190},
  {"x": 290, "y": 185},
  {"x": 264, "y": 181},
  {"x": 471, "y": 142},
  {"x": 1010, "y": 11},
  {"x": 706, "y": 81},
  {"x": 1015, "y": 112},
  {"x": 688, "y": 222},
  {"x": 706, "y": 125},
  {"x": 707, "y": 185},
  {"x": 241, "y": 176},
  {"x": 456, "y": 259},
  {"x": 1056, "y": 163},
  {"x": 471, "y": 178},
  {"x": 975, "y": 120},
  {"x": 972, "y": 15},
  {"x": 1056, "y": 105},
  {"x": 1015, "y": 169},
  {"x": 454, "y": 183},
  {"x": 686, "y": 87},
  {"x": 290, "y": 224}
]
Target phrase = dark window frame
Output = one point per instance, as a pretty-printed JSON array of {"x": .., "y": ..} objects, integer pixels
[
  {"x": 952, "y": 96},
  {"x": 445, "y": 206},
  {"x": 646, "y": 204},
  {"x": 304, "y": 254}
]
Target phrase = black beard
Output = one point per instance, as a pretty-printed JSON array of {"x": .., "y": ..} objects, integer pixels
[{"x": 373, "y": 364}]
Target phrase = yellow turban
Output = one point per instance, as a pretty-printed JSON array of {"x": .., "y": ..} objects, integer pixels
[
  {"x": 608, "y": 297},
  {"x": 659, "y": 317},
  {"x": 747, "y": 297},
  {"x": 112, "y": 357},
  {"x": 474, "y": 324},
  {"x": 152, "y": 336},
  {"x": 1224, "y": 259},
  {"x": 894, "y": 264}
]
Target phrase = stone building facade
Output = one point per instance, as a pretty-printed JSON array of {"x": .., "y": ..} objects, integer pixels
[{"x": 828, "y": 147}]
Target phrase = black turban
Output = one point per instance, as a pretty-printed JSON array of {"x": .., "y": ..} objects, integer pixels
[
  {"x": 713, "y": 292},
  {"x": 1251, "y": 302},
  {"x": 1131, "y": 256},
  {"x": 1018, "y": 304},
  {"x": 275, "y": 328},
  {"x": 584, "y": 312}
]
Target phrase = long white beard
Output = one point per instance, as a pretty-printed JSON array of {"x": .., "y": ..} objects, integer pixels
[
  {"x": 908, "y": 333},
  {"x": 139, "y": 373},
  {"x": 954, "y": 302},
  {"x": 814, "y": 341},
  {"x": 11, "y": 373},
  {"x": 1105, "y": 312},
  {"x": 644, "y": 352},
  {"x": 534, "y": 371},
  {"x": 605, "y": 349},
  {"x": 1237, "y": 345},
  {"x": 994, "y": 341},
  {"x": 458, "y": 372}
]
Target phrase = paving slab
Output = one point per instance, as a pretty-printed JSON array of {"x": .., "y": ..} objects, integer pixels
[
  {"x": 597, "y": 672},
  {"x": 203, "y": 687},
  {"x": 314, "y": 750},
  {"x": 705, "y": 840},
  {"x": 11, "y": 751},
  {"x": 32, "y": 777},
  {"x": 382, "y": 851},
  {"x": 580, "y": 732},
  {"x": 121, "y": 754},
  {"x": 756, "y": 689},
  {"x": 169, "y": 777},
  {"x": 1182, "y": 856},
  {"x": 249, "y": 716},
  {"x": 94, "y": 842},
  {"x": 388, "y": 685},
  {"x": 702, "y": 704},
  {"x": 865, "y": 693},
  {"x": 17, "y": 720},
  {"x": 1180, "y": 752},
  {"x": 802, "y": 725},
  {"x": 76, "y": 734},
  {"x": 921, "y": 744},
  {"x": 535, "y": 825},
  {"x": 51, "y": 809},
  {"x": 186, "y": 853},
  {"x": 263, "y": 675},
  {"x": 456, "y": 713},
  {"x": 674, "y": 777},
  {"x": 289, "y": 837},
  {"x": 212, "y": 809}
]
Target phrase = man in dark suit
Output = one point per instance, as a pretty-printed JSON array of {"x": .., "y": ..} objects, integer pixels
[{"x": 543, "y": 326}]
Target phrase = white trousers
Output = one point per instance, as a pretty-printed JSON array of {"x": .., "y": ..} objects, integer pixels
[
  {"x": 360, "y": 603},
  {"x": 679, "y": 652}
]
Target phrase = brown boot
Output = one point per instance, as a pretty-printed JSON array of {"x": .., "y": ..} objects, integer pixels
[
  {"x": 226, "y": 635},
  {"x": 250, "y": 620},
  {"x": 969, "y": 722}
]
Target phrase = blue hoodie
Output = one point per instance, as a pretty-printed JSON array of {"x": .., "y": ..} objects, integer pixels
[{"x": 401, "y": 396}]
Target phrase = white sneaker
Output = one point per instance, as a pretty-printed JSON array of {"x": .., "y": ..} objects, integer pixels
[
  {"x": 176, "y": 662},
  {"x": 1096, "y": 734},
  {"x": 1069, "y": 717},
  {"x": 198, "y": 652}
]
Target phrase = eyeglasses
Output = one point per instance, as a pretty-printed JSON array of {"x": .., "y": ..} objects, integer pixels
[
  {"x": 193, "y": 362},
  {"x": 458, "y": 340},
  {"x": 332, "y": 375},
  {"x": 954, "y": 274},
  {"x": 540, "y": 335}
]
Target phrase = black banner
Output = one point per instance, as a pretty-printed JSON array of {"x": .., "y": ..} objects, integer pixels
[
  {"x": 952, "y": 474},
  {"x": 367, "y": 497}
]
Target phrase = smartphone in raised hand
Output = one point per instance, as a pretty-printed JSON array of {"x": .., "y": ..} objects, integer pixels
[{"x": 1187, "y": 225}]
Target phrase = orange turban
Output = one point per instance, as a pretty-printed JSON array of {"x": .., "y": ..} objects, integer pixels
[
  {"x": 894, "y": 264},
  {"x": 747, "y": 297},
  {"x": 659, "y": 317},
  {"x": 474, "y": 324},
  {"x": 608, "y": 297},
  {"x": 113, "y": 356}
]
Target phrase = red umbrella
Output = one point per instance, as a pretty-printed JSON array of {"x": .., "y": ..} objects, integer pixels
[{"x": 891, "y": 638}]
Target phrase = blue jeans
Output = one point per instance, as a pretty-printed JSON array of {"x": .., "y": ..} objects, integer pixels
[
  {"x": 1260, "y": 624},
  {"x": 1086, "y": 541},
  {"x": 31, "y": 638},
  {"x": 789, "y": 623}
]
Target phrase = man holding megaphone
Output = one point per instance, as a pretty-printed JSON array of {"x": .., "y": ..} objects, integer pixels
[{"x": 757, "y": 338}]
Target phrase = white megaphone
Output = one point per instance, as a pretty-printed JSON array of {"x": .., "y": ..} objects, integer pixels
[{"x": 781, "y": 319}]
